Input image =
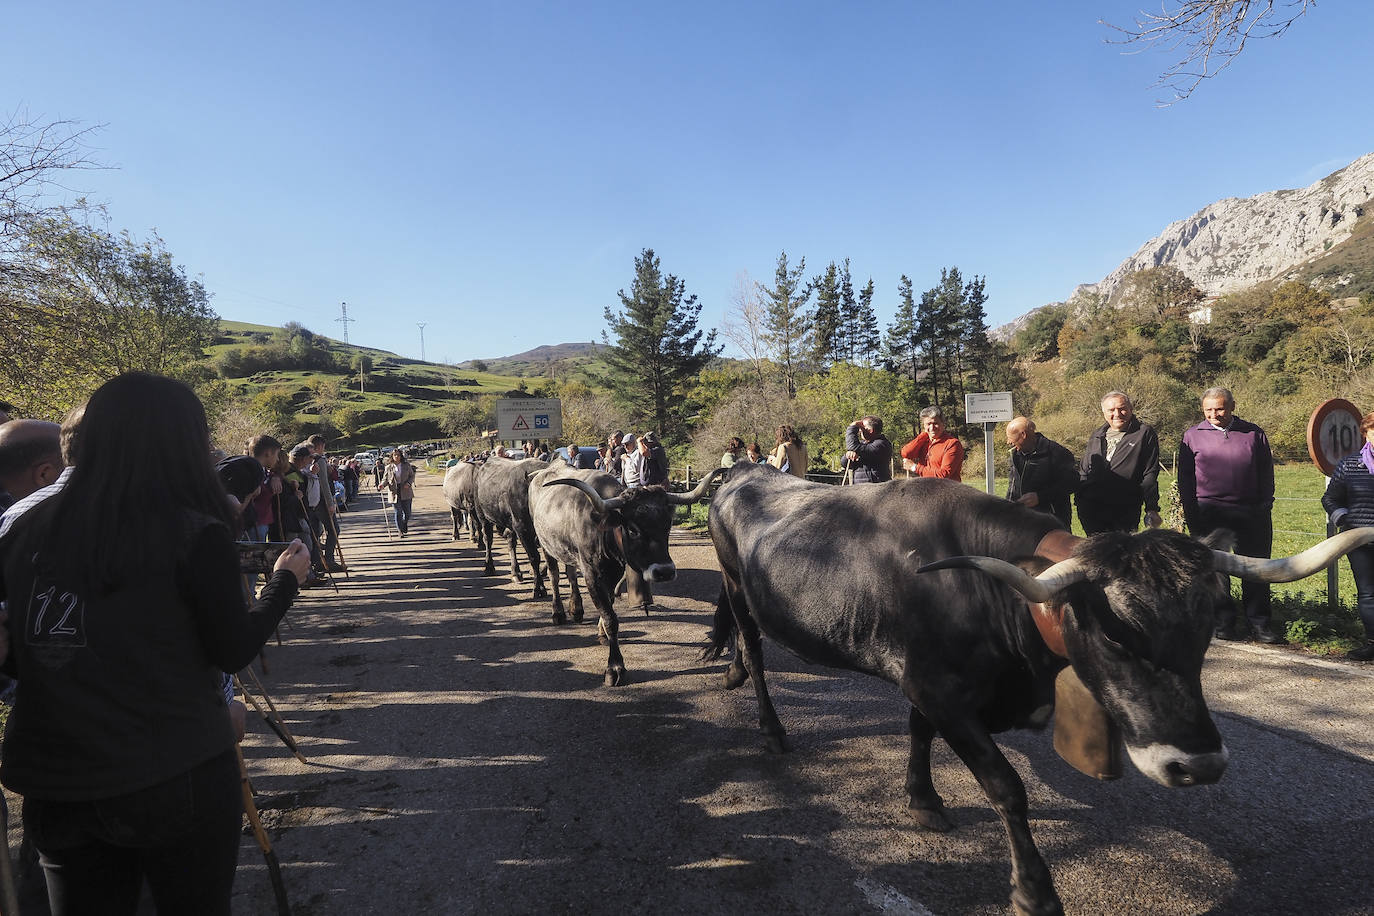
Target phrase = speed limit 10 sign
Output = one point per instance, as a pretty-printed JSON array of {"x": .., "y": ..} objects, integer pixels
[{"x": 1333, "y": 433}]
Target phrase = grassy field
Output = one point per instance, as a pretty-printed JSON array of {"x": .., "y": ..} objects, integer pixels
[{"x": 389, "y": 416}]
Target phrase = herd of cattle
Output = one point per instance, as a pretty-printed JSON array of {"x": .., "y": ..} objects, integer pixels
[{"x": 976, "y": 607}]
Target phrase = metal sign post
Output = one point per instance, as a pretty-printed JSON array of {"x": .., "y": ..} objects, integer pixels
[
  {"x": 1333, "y": 432},
  {"x": 988, "y": 408}
]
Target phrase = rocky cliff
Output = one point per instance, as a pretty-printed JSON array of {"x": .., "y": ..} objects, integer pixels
[
  {"x": 1238, "y": 242},
  {"x": 1278, "y": 235}
]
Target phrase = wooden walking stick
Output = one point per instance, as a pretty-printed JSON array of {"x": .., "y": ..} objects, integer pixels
[
  {"x": 273, "y": 720},
  {"x": 9, "y": 891},
  {"x": 254, "y": 821}
]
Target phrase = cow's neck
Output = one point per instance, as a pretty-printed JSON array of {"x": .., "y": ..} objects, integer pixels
[{"x": 1049, "y": 618}]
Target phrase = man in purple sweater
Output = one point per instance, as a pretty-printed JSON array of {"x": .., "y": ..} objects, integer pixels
[{"x": 1226, "y": 480}]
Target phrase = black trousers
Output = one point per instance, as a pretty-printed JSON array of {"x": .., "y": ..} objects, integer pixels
[
  {"x": 1361, "y": 561},
  {"x": 182, "y": 836},
  {"x": 1097, "y": 517},
  {"x": 1254, "y": 530}
]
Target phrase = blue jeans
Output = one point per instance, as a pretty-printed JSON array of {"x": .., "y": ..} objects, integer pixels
[
  {"x": 403, "y": 514},
  {"x": 181, "y": 835}
]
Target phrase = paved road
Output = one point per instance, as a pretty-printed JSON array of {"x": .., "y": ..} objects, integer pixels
[{"x": 465, "y": 758}]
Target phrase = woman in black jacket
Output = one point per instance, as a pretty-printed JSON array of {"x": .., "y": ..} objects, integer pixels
[
  {"x": 1349, "y": 503},
  {"x": 124, "y": 612}
]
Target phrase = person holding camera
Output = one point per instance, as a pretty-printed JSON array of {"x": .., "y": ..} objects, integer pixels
[
  {"x": 868, "y": 453},
  {"x": 109, "y": 588}
]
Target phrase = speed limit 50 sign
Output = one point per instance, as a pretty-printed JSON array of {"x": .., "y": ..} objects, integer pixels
[{"x": 1333, "y": 433}]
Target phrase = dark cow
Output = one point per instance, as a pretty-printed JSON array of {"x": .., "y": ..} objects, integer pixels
[
  {"x": 503, "y": 504},
  {"x": 601, "y": 531},
  {"x": 460, "y": 492},
  {"x": 832, "y": 574}
]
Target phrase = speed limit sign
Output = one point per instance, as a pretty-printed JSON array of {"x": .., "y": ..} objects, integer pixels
[{"x": 1333, "y": 433}]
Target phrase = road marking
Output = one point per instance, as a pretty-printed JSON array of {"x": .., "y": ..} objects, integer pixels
[{"x": 890, "y": 900}]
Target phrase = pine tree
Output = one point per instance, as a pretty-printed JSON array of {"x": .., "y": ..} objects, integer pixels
[
  {"x": 903, "y": 343},
  {"x": 867, "y": 340},
  {"x": 657, "y": 348},
  {"x": 844, "y": 337},
  {"x": 788, "y": 329},
  {"x": 827, "y": 321}
]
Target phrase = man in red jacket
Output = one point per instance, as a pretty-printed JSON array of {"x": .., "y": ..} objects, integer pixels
[{"x": 935, "y": 452}]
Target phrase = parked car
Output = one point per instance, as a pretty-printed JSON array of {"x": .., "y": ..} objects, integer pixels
[
  {"x": 366, "y": 460},
  {"x": 587, "y": 453}
]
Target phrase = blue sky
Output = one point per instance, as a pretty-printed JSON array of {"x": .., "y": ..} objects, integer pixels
[{"x": 492, "y": 169}]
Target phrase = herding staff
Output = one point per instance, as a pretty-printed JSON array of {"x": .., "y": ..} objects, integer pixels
[
  {"x": 9, "y": 891},
  {"x": 274, "y": 719},
  {"x": 254, "y": 821}
]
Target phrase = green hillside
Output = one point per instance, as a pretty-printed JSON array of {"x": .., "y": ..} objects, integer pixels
[{"x": 399, "y": 400}]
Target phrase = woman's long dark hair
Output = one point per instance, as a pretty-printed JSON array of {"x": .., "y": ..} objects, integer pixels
[{"x": 143, "y": 466}]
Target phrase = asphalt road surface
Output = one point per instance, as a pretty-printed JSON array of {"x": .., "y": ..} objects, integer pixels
[{"x": 465, "y": 757}]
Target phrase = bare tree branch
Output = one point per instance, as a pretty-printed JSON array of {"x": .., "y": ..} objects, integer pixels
[{"x": 1209, "y": 34}]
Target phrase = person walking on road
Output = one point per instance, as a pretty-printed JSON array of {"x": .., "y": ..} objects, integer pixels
[{"x": 400, "y": 480}]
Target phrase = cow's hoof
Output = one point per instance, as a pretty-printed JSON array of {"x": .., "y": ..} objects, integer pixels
[
  {"x": 1023, "y": 905},
  {"x": 559, "y": 617},
  {"x": 519, "y": 576},
  {"x": 615, "y": 675},
  {"x": 577, "y": 615},
  {"x": 735, "y": 675},
  {"x": 776, "y": 744},
  {"x": 932, "y": 819},
  {"x": 488, "y": 570}
]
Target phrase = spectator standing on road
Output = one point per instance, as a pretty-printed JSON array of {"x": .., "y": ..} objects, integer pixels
[
  {"x": 1043, "y": 472},
  {"x": 30, "y": 457},
  {"x": 631, "y": 463},
  {"x": 121, "y": 740},
  {"x": 1226, "y": 480},
  {"x": 733, "y": 450},
  {"x": 325, "y": 510},
  {"x": 935, "y": 452},
  {"x": 655, "y": 460},
  {"x": 400, "y": 480},
  {"x": 615, "y": 461},
  {"x": 790, "y": 455},
  {"x": 1119, "y": 472},
  {"x": 1349, "y": 503},
  {"x": 868, "y": 453}
]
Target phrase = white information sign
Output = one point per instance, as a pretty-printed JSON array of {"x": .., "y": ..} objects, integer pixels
[
  {"x": 988, "y": 407},
  {"x": 529, "y": 418}
]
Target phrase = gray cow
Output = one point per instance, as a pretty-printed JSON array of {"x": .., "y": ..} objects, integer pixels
[
  {"x": 606, "y": 532},
  {"x": 503, "y": 504},
  {"x": 460, "y": 492}
]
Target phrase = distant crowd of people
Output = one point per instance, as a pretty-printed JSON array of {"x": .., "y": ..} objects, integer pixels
[{"x": 1225, "y": 478}]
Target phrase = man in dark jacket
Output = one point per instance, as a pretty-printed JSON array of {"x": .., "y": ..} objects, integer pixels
[
  {"x": 1226, "y": 480},
  {"x": 1120, "y": 471},
  {"x": 868, "y": 453},
  {"x": 1043, "y": 472}
]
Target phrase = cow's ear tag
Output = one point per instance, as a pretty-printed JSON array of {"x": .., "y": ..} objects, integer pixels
[{"x": 1084, "y": 735}]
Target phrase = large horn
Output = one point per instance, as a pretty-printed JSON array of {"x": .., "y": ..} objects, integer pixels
[
  {"x": 602, "y": 505},
  {"x": 1299, "y": 566},
  {"x": 1039, "y": 589},
  {"x": 686, "y": 499}
]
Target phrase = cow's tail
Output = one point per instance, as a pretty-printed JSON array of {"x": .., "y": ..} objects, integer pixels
[{"x": 722, "y": 631}]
